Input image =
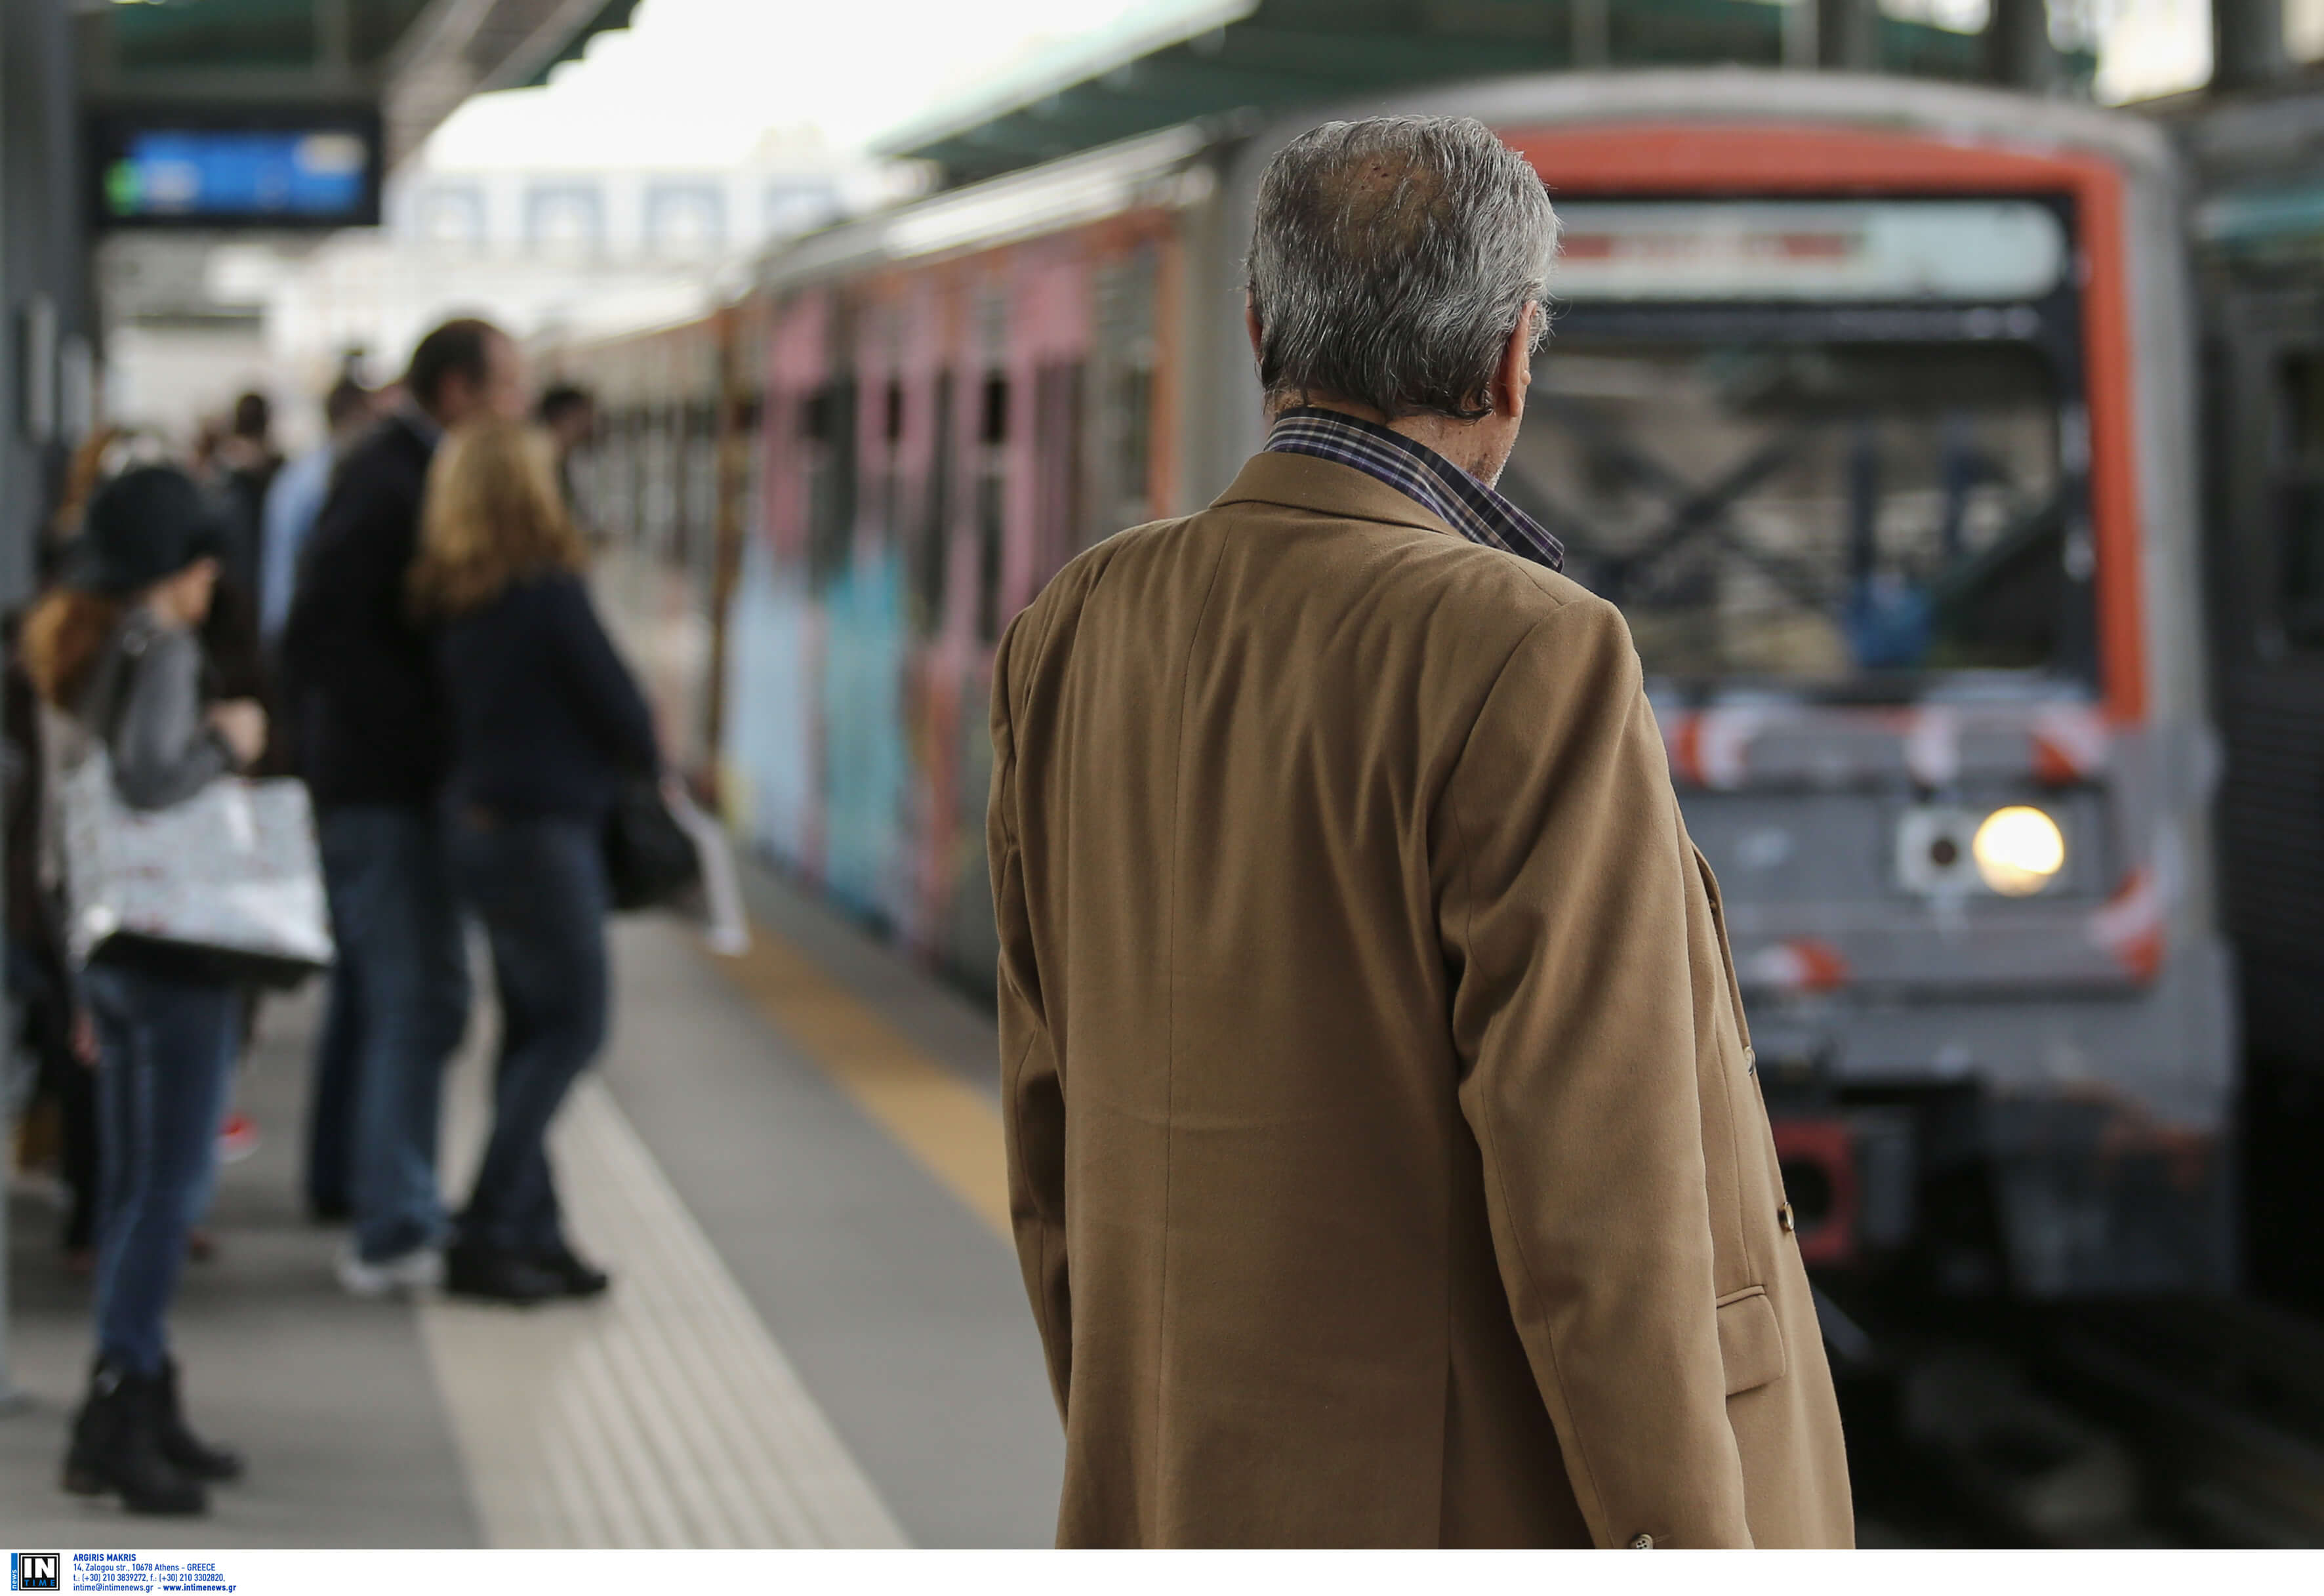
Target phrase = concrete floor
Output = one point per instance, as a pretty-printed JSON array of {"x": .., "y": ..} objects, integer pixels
[{"x": 863, "y": 1272}]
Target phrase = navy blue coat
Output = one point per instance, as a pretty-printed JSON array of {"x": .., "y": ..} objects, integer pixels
[{"x": 546, "y": 719}]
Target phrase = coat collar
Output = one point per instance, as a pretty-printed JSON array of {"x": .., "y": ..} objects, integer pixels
[{"x": 1307, "y": 482}]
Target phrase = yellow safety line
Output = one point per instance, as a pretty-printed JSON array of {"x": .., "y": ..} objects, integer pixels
[{"x": 937, "y": 1117}]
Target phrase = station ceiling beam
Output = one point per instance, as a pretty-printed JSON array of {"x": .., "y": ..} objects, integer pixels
[{"x": 1176, "y": 61}]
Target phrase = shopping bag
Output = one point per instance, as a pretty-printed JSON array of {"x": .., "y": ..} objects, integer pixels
[
  {"x": 717, "y": 907},
  {"x": 228, "y": 879}
]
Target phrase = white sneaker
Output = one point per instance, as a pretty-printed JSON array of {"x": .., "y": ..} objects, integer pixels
[{"x": 419, "y": 1269}]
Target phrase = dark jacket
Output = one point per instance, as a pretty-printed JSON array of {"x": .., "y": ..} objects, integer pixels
[
  {"x": 359, "y": 677},
  {"x": 546, "y": 720}
]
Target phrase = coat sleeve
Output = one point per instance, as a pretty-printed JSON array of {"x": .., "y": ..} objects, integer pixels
[
  {"x": 607, "y": 694},
  {"x": 162, "y": 751},
  {"x": 1563, "y": 914},
  {"x": 1032, "y": 1089}
]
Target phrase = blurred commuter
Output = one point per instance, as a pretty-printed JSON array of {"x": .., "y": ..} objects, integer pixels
[
  {"x": 248, "y": 463},
  {"x": 296, "y": 498},
  {"x": 114, "y": 651},
  {"x": 546, "y": 724},
  {"x": 1383, "y": 1151},
  {"x": 236, "y": 462},
  {"x": 373, "y": 740},
  {"x": 210, "y": 467},
  {"x": 568, "y": 415}
]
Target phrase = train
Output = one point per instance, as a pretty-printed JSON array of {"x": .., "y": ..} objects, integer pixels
[{"x": 1870, "y": 400}]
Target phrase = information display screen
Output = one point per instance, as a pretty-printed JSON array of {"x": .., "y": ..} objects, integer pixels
[
  {"x": 1810, "y": 250},
  {"x": 191, "y": 170}
]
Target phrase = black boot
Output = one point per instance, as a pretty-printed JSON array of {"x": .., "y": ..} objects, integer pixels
[
  {"x": 193, "y": 1457},
  {"x": 495, "y": 1273},
  {"x": 116, "y": 1447},
  {"x": 576, "y": 1275}
]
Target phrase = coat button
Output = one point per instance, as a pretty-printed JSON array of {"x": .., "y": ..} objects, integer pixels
[
  {"x": 1643, "y": 1543},
  {"x": 1784, "y": 1217}
]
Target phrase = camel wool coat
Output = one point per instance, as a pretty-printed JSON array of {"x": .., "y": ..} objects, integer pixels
[{"x": 1387, "y": 1160}]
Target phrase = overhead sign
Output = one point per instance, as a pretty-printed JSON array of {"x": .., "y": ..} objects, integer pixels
[{"x": 218, "y": 168}]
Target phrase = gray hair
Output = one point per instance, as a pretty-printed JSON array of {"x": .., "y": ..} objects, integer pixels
[{"x": 1390, "y": 260}]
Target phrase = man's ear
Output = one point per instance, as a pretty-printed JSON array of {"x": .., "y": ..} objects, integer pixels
[
  {"x": 1250, "y": 323},
  {"x": 1514, "y": 374}
]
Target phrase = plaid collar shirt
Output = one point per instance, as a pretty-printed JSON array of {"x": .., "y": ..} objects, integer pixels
[{"x": 1419, "y": 472}]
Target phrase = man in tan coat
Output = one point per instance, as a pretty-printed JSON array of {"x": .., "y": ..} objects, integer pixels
[{"x": 1386, "y": 1159}]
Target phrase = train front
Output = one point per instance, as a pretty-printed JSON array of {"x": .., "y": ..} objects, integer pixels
[{"x": 1865, "y": 418}]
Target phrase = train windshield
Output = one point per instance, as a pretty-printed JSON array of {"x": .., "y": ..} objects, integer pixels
[{"x": 1831, "y": 450}]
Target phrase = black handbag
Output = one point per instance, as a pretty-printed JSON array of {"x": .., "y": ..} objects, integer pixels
[{"x": 650, "y": 860}]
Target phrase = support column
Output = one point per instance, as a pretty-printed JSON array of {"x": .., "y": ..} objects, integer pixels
[
  {"x": 44, "y": 304},
  {"x": 2247, "y": 43},
  {"x": 2017, "y": 48},
  {"x": 1847, "y": 34},
  {"x": 1800, "y": 51},
  {"x": 1591, "y": 46}
]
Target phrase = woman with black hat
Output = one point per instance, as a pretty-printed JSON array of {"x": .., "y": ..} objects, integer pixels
[{"x": 114, "y": 650}]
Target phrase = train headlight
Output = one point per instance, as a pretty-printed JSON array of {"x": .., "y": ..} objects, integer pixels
[{"x": 2019, "y": 851}]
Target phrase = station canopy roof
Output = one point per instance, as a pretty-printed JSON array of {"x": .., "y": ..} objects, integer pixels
[
  {"x": 416, "y": 59},
  {"x": 1175, "y": 60}
]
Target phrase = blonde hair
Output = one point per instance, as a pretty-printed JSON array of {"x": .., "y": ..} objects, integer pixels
[{"x": 495, "y": 516}]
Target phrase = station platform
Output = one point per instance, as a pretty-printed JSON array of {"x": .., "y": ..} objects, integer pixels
[{"x": 790, "y": 1162}]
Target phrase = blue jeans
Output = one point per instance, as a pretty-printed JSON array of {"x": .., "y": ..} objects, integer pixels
[
  {"x": 539, "y": 888},
  {"x": 331, "y": 1105},
  {"x": 402, "y": 956},
  {"x": 167, "y": 1048}
]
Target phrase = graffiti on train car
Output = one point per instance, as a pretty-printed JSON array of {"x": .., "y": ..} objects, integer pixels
[{"x": 937, "y": 441}]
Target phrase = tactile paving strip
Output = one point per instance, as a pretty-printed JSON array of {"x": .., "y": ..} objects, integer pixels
[{"x": 663, "y": 1415}]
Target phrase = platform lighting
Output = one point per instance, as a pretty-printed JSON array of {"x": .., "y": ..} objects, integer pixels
[{"x": 2019, "y": 851}]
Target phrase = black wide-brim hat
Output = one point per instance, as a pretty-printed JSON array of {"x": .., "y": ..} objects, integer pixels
[{"x": 144, "y": 525}]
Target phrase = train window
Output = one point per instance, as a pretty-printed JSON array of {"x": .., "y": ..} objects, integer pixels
[
  {"x": 617, "y": 464},
  {"x": 818, "y": 418},
  {"x": 828, "y": 425},
  {"x": 1133, "y": 441},
  {"x": 887, "y": 514},
  {"x": 1119, "y": 489},
  {"x": 1837, "y": 516},
  {"x": 992, "y": 425},
  {"x": 1057, "y": 425},
  {"x": 701, "y": 517},
  {"x": 992, "y": 504},
  {"x": 2300, "y": 502},
  {"x": 990, "y": 508},
  {"x": 657, "y": 509},
  {"x": 934, "y": 541}
]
